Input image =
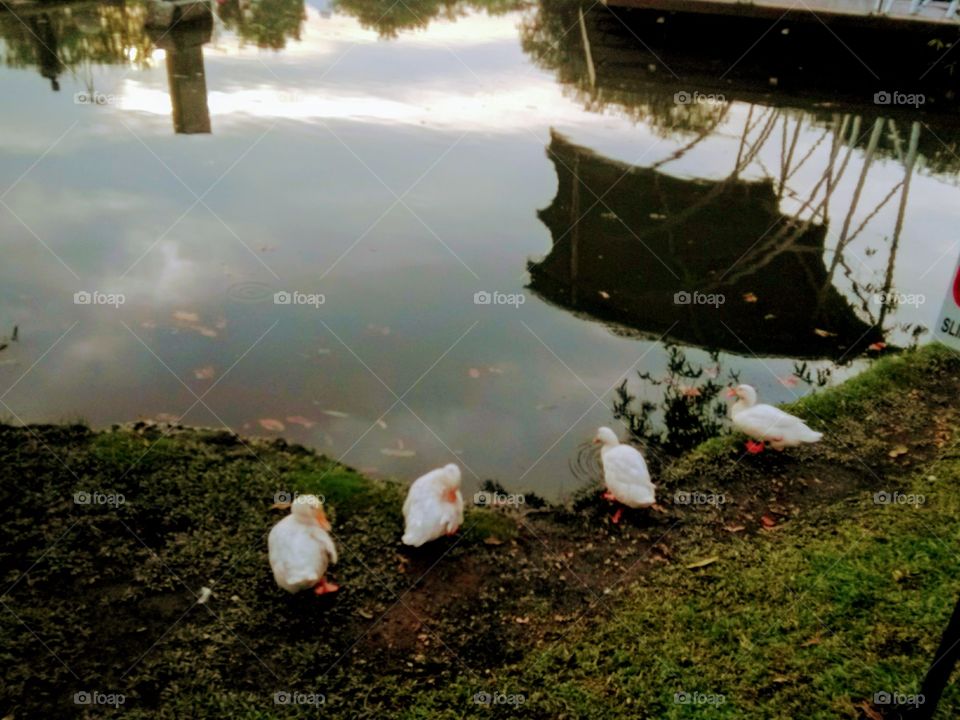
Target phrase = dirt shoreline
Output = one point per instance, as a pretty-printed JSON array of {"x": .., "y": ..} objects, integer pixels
[{"x": 102, "y": 597}]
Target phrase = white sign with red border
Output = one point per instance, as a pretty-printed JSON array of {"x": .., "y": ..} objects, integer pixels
[{"x": 947, "y": 328}]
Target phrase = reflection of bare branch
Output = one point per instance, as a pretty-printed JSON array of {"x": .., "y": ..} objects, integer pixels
[{"x": 901, "y": 212}]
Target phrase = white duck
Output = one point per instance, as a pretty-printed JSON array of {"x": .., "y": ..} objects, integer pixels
[
  {"x": 625, "y": 474},
  {"x": 301, "y": 549},
  {"x": 767, "y": 423},
  {"x": 434, "y": 506}
]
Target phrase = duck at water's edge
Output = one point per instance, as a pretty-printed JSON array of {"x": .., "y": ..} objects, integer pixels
[
  {"x": 301, "y": 549},
  {"x": 625, "y": 474},
  {"x": 434, "y": 506},
  {"x": 766, "y": 423}
]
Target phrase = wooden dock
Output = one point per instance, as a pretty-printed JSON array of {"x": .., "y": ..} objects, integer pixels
[{"x": 879, "y": 12}]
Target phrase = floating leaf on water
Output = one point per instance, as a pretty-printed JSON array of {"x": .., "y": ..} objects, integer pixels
[
  {"x": 271, "y": 424},
  {"x": 474, "y": 373},
  {"x": 335, "y": 413},
  {"x": 397, "y": 452},
  {"x": 824, "y": 333},
  {"x": 186, "y": 317},
  {"x": 788, "y": 381},
  {"x": 300, "y": 420},
  {"x": 495, "y": 370},
  {"x": 205, "y": 331},
  {"x": 703, "y": 563},
  {"x": 382, "y": 424},
  {"x": 204, "y": 373}
]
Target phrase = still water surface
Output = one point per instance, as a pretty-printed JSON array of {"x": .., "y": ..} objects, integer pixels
[{"x": 400, "y": 164}]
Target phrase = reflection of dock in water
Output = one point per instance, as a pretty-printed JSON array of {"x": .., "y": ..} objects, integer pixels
[
  {"x": 618, "y": 56},
  {"x": 629, "y": 259},
  {"x": 862, "y": 12}
]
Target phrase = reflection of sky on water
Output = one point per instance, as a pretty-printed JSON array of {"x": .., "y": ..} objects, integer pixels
[{"x": 309, "y": 146}]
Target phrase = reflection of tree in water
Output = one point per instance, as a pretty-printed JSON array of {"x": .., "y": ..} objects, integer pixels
[
  {"x": 62, "y": 39},
  {"x": 553, "y": 36},
  {"x": 389, "y": 17},
  {"x": 265, "y": 23}
]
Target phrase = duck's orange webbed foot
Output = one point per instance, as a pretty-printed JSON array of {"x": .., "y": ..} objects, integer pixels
[
  {"x": 615, "y": 518},
  {"x": 324, "y": 587},
  {"x": 754, "y": 447}
]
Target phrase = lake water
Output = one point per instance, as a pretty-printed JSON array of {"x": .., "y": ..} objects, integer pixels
[{"x": 499, "y": 233}]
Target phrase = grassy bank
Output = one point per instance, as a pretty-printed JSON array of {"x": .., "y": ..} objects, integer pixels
[{"x": 799, "y": 595}]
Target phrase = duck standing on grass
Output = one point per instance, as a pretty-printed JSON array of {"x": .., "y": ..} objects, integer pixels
[
  {"x": 301, "y": 548},
  {"x": 434, "y": 506},
  {"x": 625, "y": 474},
  {"x": 767, "y": 423}
]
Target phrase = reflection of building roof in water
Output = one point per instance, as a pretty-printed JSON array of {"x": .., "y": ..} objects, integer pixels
[{"x": 653, "y": 236}]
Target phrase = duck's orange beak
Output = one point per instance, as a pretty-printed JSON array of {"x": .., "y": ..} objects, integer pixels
[
  {"x": 597, "y": 441},
  {"x": 732, "y": 392},
  {"x": 450, "y": 496},
  {"x": 322, "y": 519}
]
